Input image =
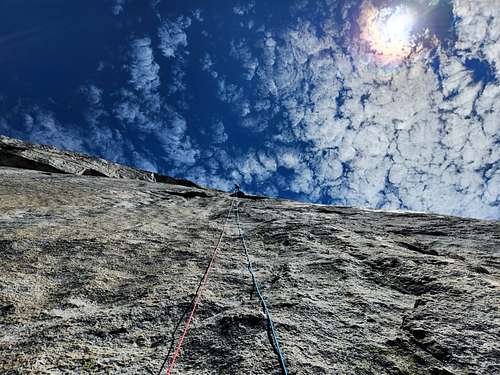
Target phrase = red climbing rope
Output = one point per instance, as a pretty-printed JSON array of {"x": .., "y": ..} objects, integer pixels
[{"x": 197, "y": 299}]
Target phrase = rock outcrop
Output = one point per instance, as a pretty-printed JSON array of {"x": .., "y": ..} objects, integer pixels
[
  {"x": 96, "y": 271},
  {"x": 18, "y": 154}
]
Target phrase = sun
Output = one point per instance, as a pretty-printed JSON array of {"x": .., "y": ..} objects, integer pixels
[
  {"x": 395, "y": 25},
  {"x": 387, "y": 33}
]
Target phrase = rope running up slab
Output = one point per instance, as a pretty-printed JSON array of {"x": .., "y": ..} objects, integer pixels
[
  {"x": 196, "y": 299},
  {"x": 270, "y": 324}
]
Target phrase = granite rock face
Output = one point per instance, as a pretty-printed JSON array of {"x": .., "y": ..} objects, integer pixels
[
  {"x": 18, "y": 154},
  {"x": 96, "y": 271}
]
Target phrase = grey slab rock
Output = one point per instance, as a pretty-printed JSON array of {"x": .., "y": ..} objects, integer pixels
[
  {"x": 17, "y": 154},
  {"x": 96, "y": 271}
]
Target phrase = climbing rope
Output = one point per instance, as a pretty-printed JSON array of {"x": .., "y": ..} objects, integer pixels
[
  {"x": 197, "y": 298},
  {"x": 195, "y": 302},
  {"x": 178, "y": 325},
  {"x": 270, "y": 324}
]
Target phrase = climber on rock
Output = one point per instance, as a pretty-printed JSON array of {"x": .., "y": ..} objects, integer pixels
[{"x": 237, "y": 192}]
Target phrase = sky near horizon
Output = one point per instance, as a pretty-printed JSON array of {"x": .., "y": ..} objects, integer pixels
[{"x": 367, "y": 103}]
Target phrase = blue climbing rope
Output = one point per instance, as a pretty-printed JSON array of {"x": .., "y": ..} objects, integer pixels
[{"x": 270, "y": 323}]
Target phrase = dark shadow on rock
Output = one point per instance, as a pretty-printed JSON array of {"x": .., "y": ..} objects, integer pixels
[
  {"x": 7, "y": 309},
  {"x": 174, "y": 181},
  {"x": 189, "y": 194},
  {"x": 423, "y": 339},
  {"x": 240, "y": 194},
  {"x": 418, "y": 249},
  {"x": 93, "y": 172},
  {"x": 229, "y": 323},
  {"x": 345, "y": 211},
  {"x": 423, "y": 232},
  {"x": 15, "y": 161}
]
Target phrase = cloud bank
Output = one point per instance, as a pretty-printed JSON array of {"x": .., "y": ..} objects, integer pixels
[{"x": 301, "y": 108}]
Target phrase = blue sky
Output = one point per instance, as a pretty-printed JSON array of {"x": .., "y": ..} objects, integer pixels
[{"x": 323, "y": 101}]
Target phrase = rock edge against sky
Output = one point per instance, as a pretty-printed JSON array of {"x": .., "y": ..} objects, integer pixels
[{"x": 287, "y": 98}]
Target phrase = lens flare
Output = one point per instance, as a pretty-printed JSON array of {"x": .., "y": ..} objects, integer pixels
[
  {"x": 395, "y": 28},
  {"x": 386, "y": 33}
]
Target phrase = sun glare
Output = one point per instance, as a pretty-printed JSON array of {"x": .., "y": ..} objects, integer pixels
[
  {"x": 386, "y": 33},
  {"x": 395, "y": 25}
]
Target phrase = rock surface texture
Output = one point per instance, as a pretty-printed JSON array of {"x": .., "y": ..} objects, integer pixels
[{"x": 95, "y": 273}]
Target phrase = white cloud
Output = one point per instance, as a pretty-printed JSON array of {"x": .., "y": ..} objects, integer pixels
[
  {"x": 255, "y": 123},
  {"x": 95, "y": 111},
  {"x": 198, "y": 15},
  {"x": 177, "y": 146},
  {"x": 241, "y": 51},
  {"x": 177, "y": 77},
  {"x": 478, "y": 28},
  {"x": 41, "y": 126},
  {"x": 173, "y": 36},
  {"x": 207, "y": 65},
  {"x": 218, "y": 133},
  {"x": 288, "y": 158},
  {"x": 145, "y": 111},
  {"x": 118, "y": 7},
  {"x": 229, "y": 92},
  {"x": 241, "y": 9},
  {"x": 408, "y": 137},
  {"x": 144, "y": 71},
  {"x": 142, "y": 162}
]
